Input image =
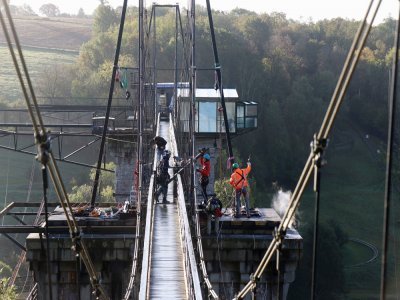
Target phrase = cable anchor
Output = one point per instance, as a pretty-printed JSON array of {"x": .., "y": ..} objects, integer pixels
[
  {"x": 43, "y": 147},
  {"x": 278, "y": 236},
  {"x": 317, "y": 147},
  {"x": 76, "y": 243}
]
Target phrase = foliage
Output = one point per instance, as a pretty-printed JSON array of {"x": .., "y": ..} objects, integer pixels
[
  {"x": 24, "y": 10},
  {"x": 81, "y": 13},
  {"x": 4, "y": 268},
  {"x": 223, "y": 190},
  {"x": 104, "y": 17},
  {"x": 7, "y": 292},
  {"x": 49, "y": 10},
  {"x": 106, "y": 194},
  {"x": 106, "y": 178},
  {"x": 83, "y": 193}
]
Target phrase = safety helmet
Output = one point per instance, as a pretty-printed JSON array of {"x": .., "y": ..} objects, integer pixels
[
  {"x": 235, "y": 166},
  {"x": 206, "y": 156}
]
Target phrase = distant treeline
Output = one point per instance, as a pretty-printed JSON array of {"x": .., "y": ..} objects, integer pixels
[{"x": 290, "y": 68}]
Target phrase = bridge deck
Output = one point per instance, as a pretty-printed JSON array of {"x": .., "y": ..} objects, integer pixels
[{"x": 167, "y": 275}]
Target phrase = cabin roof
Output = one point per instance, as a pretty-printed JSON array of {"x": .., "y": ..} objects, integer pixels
[
  {"x": 102, "y": 118},
  {"x": 208, "y": 93}
]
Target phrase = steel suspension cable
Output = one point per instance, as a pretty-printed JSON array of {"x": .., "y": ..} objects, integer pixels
[
  {"x": 389, "y": 161},
  {"x": 192, "y": 84},
  {"x": 317, "y": 187},
  {"x": 110, "y": 96},
  {"x": 46, "y": 216},
  {"x": 139, "y": 150},
  {"x": 219, "y": 80},
  {"x": 336, "y": 100},
  {"x": 45, "y": 155}
]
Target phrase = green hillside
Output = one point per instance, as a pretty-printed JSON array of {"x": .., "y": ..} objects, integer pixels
[
  {"x": 38, "y": 61},
  {"x": 56, "y": 33},
  {"x": 46, "y": 42},
  {"x": 352, "y": 195}
]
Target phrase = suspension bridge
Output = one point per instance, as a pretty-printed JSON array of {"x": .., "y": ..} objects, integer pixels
[{"x": 136, "y": 247}]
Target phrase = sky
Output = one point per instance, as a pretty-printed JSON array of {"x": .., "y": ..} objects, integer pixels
[{"x": 301, "y": 10}]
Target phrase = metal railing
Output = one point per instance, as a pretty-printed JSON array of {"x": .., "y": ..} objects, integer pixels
[
  {"x": 192, "y": 274},
  {"x": 33, "y": 294},
  {"x": 148, "y": 234}
]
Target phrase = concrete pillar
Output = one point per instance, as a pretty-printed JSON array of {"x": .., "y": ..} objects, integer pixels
[
  {"x": 234, "y": 253},
  {"x": 109, "y": 249},
  {"x": 125, "y": 158}
]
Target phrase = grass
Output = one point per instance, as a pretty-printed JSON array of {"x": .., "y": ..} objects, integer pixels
[
  {"x": 36, "y": 60},
  {"x": 45, "y": 42}
]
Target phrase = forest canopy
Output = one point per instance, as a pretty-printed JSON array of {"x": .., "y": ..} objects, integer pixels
[{"x": 290, "y": 68}]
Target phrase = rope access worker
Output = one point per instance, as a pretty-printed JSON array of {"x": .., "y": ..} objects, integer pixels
[
  {"x": 204, "y": 171},
  {"x": 239, "y": 182},
  {"x": 162, "y": 178},
  {"x": 160, "y": 143}
]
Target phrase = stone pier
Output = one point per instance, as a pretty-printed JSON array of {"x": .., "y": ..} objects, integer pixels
[
  {"x": 125, "y": 160},
  {"x": 236, "y": 246},
  {"x": 110, "y": 243}
]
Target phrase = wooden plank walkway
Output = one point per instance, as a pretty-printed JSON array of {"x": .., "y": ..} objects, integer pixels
[{"x": 167, "y": 276}]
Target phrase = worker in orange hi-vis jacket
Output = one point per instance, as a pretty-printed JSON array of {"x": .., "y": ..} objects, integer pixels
[{"x": 239, "y": 182}]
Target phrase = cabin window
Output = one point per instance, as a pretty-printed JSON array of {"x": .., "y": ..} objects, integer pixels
[
  {"x": 207, "y": 117},
  {"x": 230, "y": 113},
  {"x": 246, "y": 115}
]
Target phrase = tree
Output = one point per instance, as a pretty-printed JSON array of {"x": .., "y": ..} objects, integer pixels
[
  {"x": 106, "y": 178},
  {"x": 83, "y": 193},
  {"x": 6, "y": 292},
  {"x": 104, "y": 17},
  {"x": 55, "y": 83},
  {"x": 81, "y": 13},
  {"x": 49, "y": 10},
  {"x": 24, "y": 10}
]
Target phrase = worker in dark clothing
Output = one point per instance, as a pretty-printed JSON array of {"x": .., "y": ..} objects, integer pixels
[
  {"x": 162, "y": 178},
  {"x": 239, "y": 182},
  {"x": 160, "y": 143},
  {"x": 204, "y": 171}
]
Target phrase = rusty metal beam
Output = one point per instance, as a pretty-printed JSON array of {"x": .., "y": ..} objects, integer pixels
[
  {"x": 7, "y": 208},
  {"x": 5, "y": 229}
]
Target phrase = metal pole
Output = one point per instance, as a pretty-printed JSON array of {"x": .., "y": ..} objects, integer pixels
[
  {"x": 317, "y": 179},
  {"x": 154, "y": 64},
  {"x": 45, "y": 187},
  {"x": 193, "y": 93},
  {"x": 140, "y": 111},
  {"x": 389, "y": 154},
  {"x": 176, "y": 64}
]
